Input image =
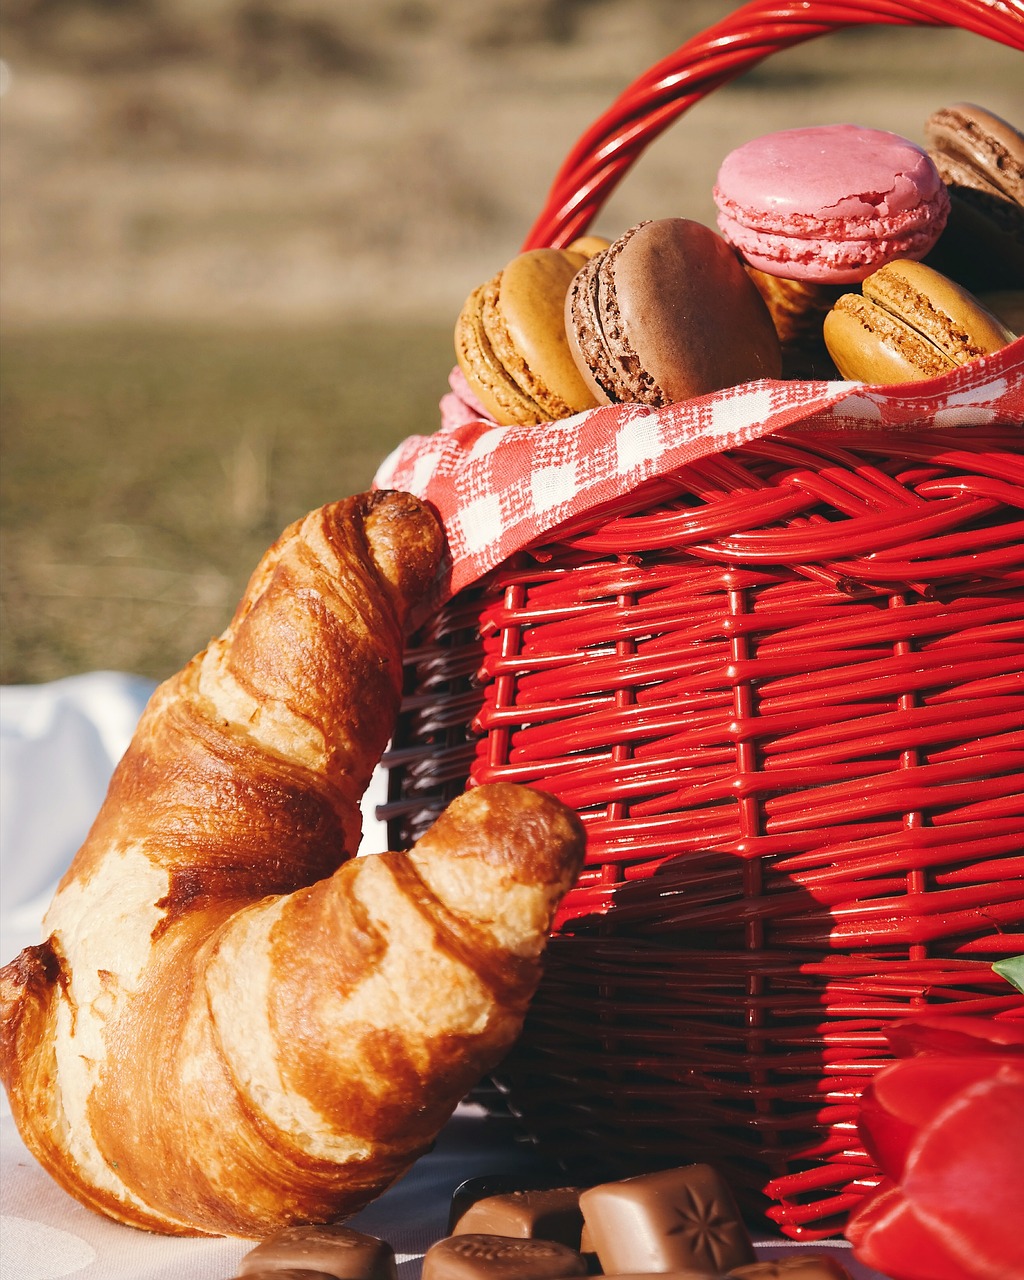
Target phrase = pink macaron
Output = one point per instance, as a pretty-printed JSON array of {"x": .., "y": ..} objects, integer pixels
[{"x": 831, "y": 203}]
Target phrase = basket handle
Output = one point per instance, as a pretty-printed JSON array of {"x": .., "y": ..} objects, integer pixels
[{"x": 747, "y": 36}]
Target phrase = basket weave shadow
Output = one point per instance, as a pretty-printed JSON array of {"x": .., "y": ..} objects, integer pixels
[{"x": 784, "y": 688}]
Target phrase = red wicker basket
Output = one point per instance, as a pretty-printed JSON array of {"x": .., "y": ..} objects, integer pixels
[{"x": 784, "y": 688}]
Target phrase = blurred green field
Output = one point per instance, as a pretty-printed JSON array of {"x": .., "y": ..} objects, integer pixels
[
  {"x": 145, "y": 470},
  {"x": 209, "y": 168}
]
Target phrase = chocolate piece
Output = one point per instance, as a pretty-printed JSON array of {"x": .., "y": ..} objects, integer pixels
[
  {"x": 550, "y": 1214},
  {"x": 337, "y": 1251},
  {"x": 667, "y": 1221},
  {"x": 285, "y": 1273},
  {"x": 794, "y": 1266},
  {"x": 686, "y": 1274},
  {"x": 495, "y": 1184},
  {"x": 490, "y": 1257}
]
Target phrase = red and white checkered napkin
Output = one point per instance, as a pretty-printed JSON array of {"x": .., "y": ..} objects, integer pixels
[{"x": 498, "y": 489}]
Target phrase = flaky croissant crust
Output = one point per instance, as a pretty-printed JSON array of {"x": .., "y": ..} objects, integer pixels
[{"x": 230, "y": 1025}]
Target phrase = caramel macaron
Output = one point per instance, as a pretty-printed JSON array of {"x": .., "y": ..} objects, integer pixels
[
  {"x": 510, "y": 341},
  {"x": 909, "y": 323},
  {"x": 798, "y": 309},
  {"x": 668, "y": 312}
]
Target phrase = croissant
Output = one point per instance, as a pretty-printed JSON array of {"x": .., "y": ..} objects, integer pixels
[{"x": 233, "y": 1025}]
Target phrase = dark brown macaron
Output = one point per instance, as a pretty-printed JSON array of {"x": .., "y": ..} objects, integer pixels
[
  {"x": 980, "y": 157},
  {"x": 668, "y": 312}
]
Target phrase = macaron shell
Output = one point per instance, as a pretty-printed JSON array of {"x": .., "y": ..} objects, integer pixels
[
  {"x": 981, "y": 158},
  {"x": 528, "y": 329},
  {"x": 982, "y": 246},
  {"x": 952, "y": 319},
  {"x": 798, "y": 309},
  {"x": 909, "y": 323},
  {"x": 832, "y": 261},
  {"x": 810, "y": 178},
  {"x": 868, "y": 344},
  {"x": 623, "y": 376},
  {"x": 688, "y": 314},
  {"x": 486, "y": 375},
  {"x": 974, "y": 147},
  {"x": 829, "y": 203},
  {"x": 589, "y": 245},
  {"x": 585, "y": 332}
]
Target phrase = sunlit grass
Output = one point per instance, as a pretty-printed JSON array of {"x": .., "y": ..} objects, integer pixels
[{"x": 145, "y": 471}]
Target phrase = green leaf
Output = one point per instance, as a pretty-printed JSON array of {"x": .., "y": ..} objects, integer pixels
[{"x": 1012, "y": 969}]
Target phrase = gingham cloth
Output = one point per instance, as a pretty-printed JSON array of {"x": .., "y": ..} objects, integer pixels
[{"x": 499, "y": 489}]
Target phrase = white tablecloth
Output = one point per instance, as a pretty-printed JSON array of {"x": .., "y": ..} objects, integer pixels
[{"x": 58, "y": 745}]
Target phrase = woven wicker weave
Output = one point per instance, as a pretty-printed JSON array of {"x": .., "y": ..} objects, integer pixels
[{"x": 784, "y": 688}]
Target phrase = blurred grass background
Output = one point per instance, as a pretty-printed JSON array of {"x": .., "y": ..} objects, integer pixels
[
  {"x": 146, "y": 470},
  {"x": 236, "y": 234}
]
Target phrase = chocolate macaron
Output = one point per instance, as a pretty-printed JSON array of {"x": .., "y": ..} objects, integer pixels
[
  {"x": 510, "y": 341},
  {"x": 668, "y": 312},
  {"x": 980, "y": 157},
  {"x": 909, "y": 323}
]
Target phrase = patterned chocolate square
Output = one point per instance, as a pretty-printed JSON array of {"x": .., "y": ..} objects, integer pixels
[{"x": 667, "y": 1221}]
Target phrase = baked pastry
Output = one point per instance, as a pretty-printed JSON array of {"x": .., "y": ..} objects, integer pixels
[
  {"x": 909, "y": 323},
  {"x": 666, "y": 313},
  {"x": 830, "y": 203},
  {"x": 232, "y": 1025},
  {"x": 510, "y": 341}
]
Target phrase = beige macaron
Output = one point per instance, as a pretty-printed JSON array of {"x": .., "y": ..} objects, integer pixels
[{"x": 510, "y": 341}]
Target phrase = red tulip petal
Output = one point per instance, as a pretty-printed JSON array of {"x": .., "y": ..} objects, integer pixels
[
  {"x": 879, "y": 1203},
  {"x": 906, "y": 1096},
  {"x": 887, "y": 1138},
  {"x": 965, "y": 1173},
  {"x": 963, "y": 1034},
  {"x": 887, "y": 1235}
]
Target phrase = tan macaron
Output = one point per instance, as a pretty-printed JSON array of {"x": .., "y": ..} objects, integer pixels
[
  {"x": 510, "y": 341},
  {"x": 589, "y": 245},
  {"x": 909, "y": 323}
]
